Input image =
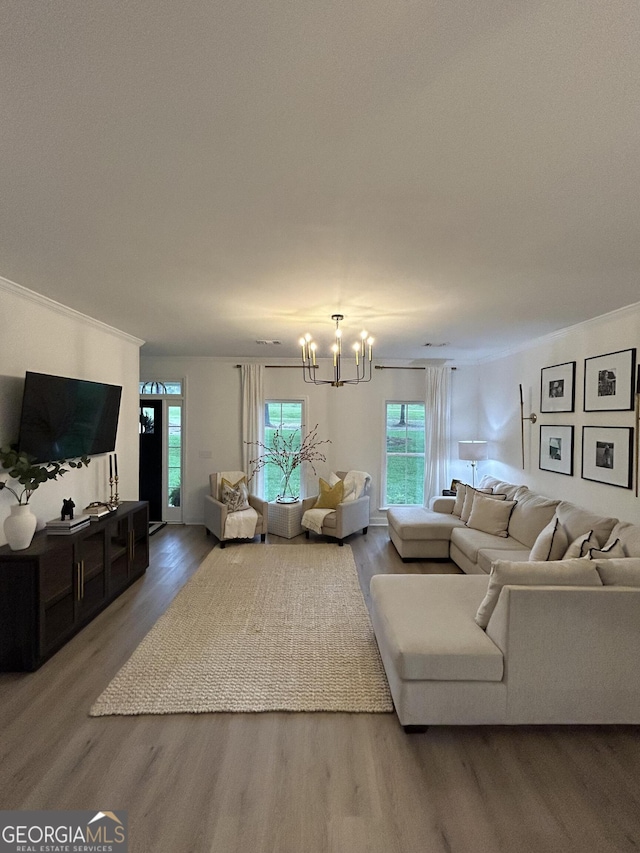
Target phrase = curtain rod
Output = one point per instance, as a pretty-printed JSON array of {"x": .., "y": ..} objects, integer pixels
[
  {"x": 391, "y": 367},
  {"x": 377, "y": 367},
  {"x": 282, "y": 366}
]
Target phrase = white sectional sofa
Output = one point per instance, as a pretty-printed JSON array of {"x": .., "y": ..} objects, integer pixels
[
  {"x": 437, "y": 533},
  {"x": 532, "y": 642}
]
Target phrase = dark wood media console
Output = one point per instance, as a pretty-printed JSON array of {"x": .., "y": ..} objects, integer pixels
[{"x": 52, "y": 589}]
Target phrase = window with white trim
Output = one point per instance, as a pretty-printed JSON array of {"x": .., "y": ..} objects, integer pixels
[
  {"x": 404, "y": 453},
  {"x": 286, "y": 416}
]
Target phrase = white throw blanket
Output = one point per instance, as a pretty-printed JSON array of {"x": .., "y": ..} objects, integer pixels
[
  {"x": 355, "y": 483},
  {"x": 241, "y": 524},
  {"x": 313, "y": 518}
]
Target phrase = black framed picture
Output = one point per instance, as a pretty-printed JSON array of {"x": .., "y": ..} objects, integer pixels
[
  {"x": 607, "y": 455},
  {"x": 556, "y": 449},
  {"x": 609, "y": 381},
  {"x": 558, "y": 388}
]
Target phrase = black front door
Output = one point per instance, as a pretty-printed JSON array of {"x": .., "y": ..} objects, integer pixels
[{"x": 151, "y": 456}]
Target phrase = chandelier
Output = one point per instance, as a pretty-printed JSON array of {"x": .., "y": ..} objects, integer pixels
[{"x": 362, "y": 351}]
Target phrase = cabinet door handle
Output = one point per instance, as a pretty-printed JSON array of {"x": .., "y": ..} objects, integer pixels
[{"x": 80, "y": 580}]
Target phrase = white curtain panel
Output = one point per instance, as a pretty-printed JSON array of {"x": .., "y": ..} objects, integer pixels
[
  {"x": 252, "y": 378},
  {"x": 437, "y": 430}
]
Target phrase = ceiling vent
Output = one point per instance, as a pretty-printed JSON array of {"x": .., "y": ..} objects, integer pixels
[
  {"x": 270, "y": 343},
  {"x": 429, "y": 344}
]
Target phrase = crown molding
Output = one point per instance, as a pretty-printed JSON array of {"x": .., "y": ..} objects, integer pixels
[
  {"x": 559, "y": 334},
  {"x": 44, "y": 302}
]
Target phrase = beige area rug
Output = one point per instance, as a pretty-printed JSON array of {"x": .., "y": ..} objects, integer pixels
[{"x": 258, "y": 628}]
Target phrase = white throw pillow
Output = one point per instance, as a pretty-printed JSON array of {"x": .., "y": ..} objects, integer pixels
[
  {"x": 491, "y": 514},
  {"x": 623, "y": 572},
  {"x": 468, "y": 501},
  {"x": 547, "y": 573},
  {"x": 461, "y": 491},
  {"x": 611, "y": 552},
  {"x": 580, "y": 546},
  {"x": 629, "y": 536},
  {"x": 551, "y": 543},
  {"x": 346, "y": 496}
]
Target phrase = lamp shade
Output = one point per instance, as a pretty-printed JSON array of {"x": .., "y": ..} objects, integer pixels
[{"x": 472, "y": 451}]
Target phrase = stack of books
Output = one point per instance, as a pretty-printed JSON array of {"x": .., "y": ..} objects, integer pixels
[
  {"x": 98, "y": 510},
  {"x": 58, "y": 527}
]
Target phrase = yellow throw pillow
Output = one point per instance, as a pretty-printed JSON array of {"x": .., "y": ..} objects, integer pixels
[{"x": 330, "y": 496}]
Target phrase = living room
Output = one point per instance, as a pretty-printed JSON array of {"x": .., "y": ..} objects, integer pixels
[
  {"x": 180, "y": 183},
  {"x": 484, "y": 405}
]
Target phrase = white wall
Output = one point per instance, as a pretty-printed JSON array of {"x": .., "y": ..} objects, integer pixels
[
  {"x": 499, "y": 410},
  {"x": 40, "y": 335},
  {"x": 352, "y": 417}
]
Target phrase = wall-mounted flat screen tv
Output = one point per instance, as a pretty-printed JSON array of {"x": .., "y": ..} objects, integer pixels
[{"x": 63, "y": 418}]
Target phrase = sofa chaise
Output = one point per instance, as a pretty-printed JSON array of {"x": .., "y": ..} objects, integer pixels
[{"x": 513, "y": 640}]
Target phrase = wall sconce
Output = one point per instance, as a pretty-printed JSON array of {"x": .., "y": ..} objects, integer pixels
[{"x": 473, "y": 452}]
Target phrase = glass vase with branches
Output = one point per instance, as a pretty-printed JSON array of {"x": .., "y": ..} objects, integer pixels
[{"x": 287, "y": 452}]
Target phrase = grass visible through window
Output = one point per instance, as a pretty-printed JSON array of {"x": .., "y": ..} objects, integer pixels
[
  {"x": 287, "y": 417},
  {"x": 404, "y": 457}
]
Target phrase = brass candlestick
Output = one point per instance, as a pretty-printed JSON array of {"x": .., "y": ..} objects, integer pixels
[{"x": 114, "y": 500}]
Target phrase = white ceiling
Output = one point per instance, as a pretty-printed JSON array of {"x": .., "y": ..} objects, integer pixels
[{"x": 206, "y": 173}]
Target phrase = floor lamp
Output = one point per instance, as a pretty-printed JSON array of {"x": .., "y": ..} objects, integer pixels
[{"x": 473, "y": 452}]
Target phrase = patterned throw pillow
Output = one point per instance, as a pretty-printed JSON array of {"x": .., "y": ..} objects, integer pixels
[{"x": 235, "y": 496}]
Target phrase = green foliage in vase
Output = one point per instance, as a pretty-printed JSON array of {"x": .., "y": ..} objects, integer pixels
[{"x": 30, "y": 475}]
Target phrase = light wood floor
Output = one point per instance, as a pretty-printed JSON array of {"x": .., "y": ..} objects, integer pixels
[{"x": 301, "y": 783}]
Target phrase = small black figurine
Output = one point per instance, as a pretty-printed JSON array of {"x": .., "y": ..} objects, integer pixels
[{"x": 67, "y": 510}]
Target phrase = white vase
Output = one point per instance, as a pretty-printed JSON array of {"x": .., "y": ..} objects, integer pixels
[{"x": 19, "y": 527}]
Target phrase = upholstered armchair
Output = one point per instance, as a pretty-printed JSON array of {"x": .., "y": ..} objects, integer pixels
[
  {"x": 226, "y": 524},
  {"x": 349, "y": 516}
]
